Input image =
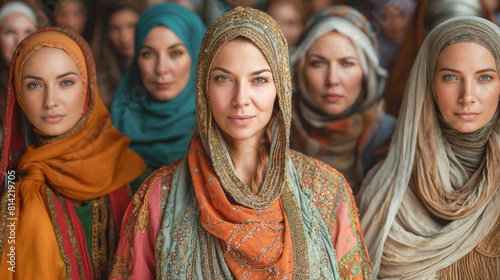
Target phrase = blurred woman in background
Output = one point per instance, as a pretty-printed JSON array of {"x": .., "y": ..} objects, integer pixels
[
  {"x": 154, "y": 102},
  {"x": 337, "y": 114}
]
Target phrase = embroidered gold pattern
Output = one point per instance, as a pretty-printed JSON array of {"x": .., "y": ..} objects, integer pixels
[
  {"x": 124, "y": 264},
  {"x": 99, "y": 241},
  {"x": 57, "y": 230}
]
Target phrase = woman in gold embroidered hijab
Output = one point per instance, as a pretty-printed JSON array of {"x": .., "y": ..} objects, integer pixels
[
  {"x": 429, "y": 210},
  {"x": 196, "y": 218}
]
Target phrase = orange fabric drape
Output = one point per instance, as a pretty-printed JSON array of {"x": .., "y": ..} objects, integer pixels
[
  {"x": 245, "y": 231},
  {"x": 89, "y": 163}
]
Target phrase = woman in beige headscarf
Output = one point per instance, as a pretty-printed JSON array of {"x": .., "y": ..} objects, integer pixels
[{"x": 431, "y": 209}]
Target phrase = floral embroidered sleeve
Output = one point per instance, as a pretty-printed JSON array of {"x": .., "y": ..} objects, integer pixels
[
  {"x": 333, "y": 198},
  {"x": 135, "y": 255}
]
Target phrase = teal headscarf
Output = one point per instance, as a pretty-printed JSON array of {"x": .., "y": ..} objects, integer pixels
[{"x": 159, "y": 130}]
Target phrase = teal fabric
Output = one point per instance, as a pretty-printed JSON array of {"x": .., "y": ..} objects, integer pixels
[
  {"x": 159, "y": 130},
  {"x": 84, "y": 213}
]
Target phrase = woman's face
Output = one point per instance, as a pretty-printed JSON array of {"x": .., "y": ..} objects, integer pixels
[
  {"x": 71, "y": 14},
  {"x": 242, "y": 92},
  {"x": 13, "y": 28},
  {"x": 164, "y": 63},
  {"x": 333, "y": 74},
  {"x": 52, "y": 90},
  {"x": 289, "y": 19},
  {"x": 467, "y": 85},
  {"x": 121, "y": 29}
]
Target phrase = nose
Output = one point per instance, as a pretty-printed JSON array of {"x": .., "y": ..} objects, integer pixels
[
  {"x": 51, "y": 98},
  {"x": 332, "y": 77},
  {"x": 126, "y": 37},
  {"x": 162, "y": 66},
  {"x": 468, "y": 96},
  {"x": 240, "y": 96}
]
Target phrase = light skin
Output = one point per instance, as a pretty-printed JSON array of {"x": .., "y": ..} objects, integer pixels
[
  {"x": 71, "y": 14},
  {"x": 13, "y": 29},
  {"x": 288, "y": 17},
  {"x": 121, "y": 29},
  {"x": 164, "y": 63},
  {"x": 333, "y": 74},
  {"x": 467, "y": 90},
  {"x": 52, "y": 90},
  {"x": 242, "y": 95}
]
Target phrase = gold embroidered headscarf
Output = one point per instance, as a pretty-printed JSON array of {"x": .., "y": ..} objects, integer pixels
[{"x": 261, "y": 29}]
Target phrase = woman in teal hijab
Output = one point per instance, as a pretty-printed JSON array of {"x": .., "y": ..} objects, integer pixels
[{"x": 154, "y": 103}]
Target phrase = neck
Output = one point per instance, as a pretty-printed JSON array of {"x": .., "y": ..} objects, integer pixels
[{"x": 245, "y": 157}]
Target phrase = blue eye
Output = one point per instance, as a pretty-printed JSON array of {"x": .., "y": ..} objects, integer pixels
[
  {"x": 67, "y": 83},
  {"x": 317, "y": 63},
  {"x": 485, "y": 78},
  {"x": 33, "y": 85},
  {"x": 176, "y": 53},
  {"x": 449, "y": 77},
  {"x": 221, "y": 78},
  {"x": 261, "y": 80},
  {"x": 347, "y": 63},
  {"x": 146, "y": 54}
]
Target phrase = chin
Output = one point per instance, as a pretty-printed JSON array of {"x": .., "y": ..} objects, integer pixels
[
  {"x": 161, "y": 95},
  {"x": 466, "y": 128}
]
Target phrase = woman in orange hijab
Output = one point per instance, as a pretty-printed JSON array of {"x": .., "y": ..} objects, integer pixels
[{"x": 61, "y": 218}]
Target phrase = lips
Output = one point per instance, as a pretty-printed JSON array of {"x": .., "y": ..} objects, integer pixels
[
  {"x": 241, "y": 119},
  {"x": 467, "y": 116},
  {"x": 53, "y": 118},
  {"x": 331, "y": 97},
  {"x": 162, "y": 85}
]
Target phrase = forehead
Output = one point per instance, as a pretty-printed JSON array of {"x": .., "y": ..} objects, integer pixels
[
  {"x": 240, "y": 52},
  {"x": 161, "y": 36},
  {"x": 462, "y": 52},
  {"x": 333, "y": 42},
  {"x": 123, "y": 15},
  {"x": 17, "y": 19},
  {"x": 50, "y": 59}
]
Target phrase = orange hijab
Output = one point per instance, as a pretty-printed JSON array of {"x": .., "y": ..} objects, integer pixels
[{"x": 90, "y": 160}]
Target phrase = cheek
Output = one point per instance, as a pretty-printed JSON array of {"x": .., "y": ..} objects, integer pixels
[
  {"x": 32, "y": 105},
  {"x": 353, "y": 83},
  {"x": 185, "y": 68},
  {"x": 314, "y": 80},
  {"x": 146, "y": 67}
]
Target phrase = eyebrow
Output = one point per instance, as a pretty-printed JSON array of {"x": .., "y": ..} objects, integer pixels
[
  {"x": 58, "y": 77},
  {"x": 477, "y": 72},
  {"x": 258, "y": 72},
  {"x": 170, "y": 47},
  {"x": 322, "y": 57}
]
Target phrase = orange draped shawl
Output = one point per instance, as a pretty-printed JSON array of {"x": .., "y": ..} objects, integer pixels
[{"x": 89, "y": 161}]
